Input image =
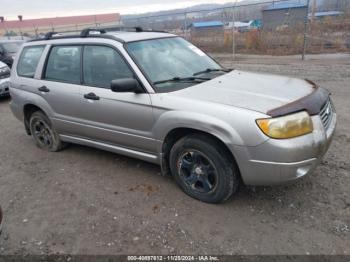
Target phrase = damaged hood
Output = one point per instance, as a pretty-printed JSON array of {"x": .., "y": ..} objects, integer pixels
[{"x": 253, "y": 91}]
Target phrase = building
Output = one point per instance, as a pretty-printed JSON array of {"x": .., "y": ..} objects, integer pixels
[
  {"x": 284, "y": 14},
  {"x": 322, "y": 15},
  {"x": 244, "y": 26},
  {"x": 207, "y": 34},
  {"x": 32, "y": 27},
  {"x": 207, "y": 25},
  {"x": 207, "y": 28}
]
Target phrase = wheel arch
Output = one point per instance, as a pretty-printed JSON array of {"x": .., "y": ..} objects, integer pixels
[
  {"x": 28, "y": 110},
  {"x": 177, "y": 133}
]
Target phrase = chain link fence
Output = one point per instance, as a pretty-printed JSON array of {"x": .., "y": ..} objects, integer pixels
[
  {"x": 280, "y": 27},
  {"x": 264, "y": 27}
]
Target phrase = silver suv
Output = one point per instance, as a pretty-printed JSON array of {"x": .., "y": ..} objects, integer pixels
[{"x": 156, "y": 97}]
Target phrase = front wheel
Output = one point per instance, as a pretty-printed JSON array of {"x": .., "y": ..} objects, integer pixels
[
  {"x": 203, "y": 169},
  {"x": 43, "y": 133}
]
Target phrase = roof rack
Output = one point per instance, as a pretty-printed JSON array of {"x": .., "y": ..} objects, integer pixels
[
  {"x": 87, "y": 32},
  {"x": 137, "y": 29},
  {"x": 49, "y": 35},
  {"x": 124, "y": 29}
]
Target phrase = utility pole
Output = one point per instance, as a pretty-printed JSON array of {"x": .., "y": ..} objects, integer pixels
[{"x": 306, "y": 25}]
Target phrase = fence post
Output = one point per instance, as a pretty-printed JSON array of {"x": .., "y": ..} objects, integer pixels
[
  {"x": 20, "y": 32},
  {"x": 233, "y": 33},
  {"x": 186, "y": 37},
  {"x": 35, "y": 31},
  {"x": 305, "y": 30}
]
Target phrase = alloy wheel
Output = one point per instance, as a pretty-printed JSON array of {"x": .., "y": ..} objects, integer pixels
[{"x": 197, "y": 171}]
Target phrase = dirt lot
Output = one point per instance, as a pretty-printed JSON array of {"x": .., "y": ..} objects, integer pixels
[{"x": 87, "y": 201}]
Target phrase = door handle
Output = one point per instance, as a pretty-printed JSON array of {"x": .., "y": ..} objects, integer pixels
[
  {"x": 91, "y": 96},
  {"x": 44, "y": 89}
]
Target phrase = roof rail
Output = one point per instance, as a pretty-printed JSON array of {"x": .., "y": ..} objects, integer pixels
[
  {"x": 86, "y": 32},
  {"x": 137, "y": 29},
  {"x": 123, "y": 29},
  {"x": 49, "y": 35}
]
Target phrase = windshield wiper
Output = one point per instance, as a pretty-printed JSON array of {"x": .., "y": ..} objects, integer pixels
[
  {"x": 208, "y": 70},
  {"x": 183, "y": 79}
]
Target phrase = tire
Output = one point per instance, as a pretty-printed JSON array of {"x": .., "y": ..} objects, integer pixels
[
  {"x": 203, "y": 169},
  {"x": 43, "y": 133}
]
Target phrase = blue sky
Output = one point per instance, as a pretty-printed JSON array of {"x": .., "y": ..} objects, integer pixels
[{"x": 53, "y": 8}]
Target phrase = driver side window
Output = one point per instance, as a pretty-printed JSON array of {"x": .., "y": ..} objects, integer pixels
[{"x": 103, "y": 64}]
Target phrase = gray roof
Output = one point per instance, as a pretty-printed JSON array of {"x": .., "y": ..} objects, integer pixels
[{"x": 120, "y": 36}]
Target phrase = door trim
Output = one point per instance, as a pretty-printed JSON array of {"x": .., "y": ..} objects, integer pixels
[{"x": 112, "y": 148}]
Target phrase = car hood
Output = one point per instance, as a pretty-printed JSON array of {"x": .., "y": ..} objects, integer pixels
[{"x": 253, "y": 91}]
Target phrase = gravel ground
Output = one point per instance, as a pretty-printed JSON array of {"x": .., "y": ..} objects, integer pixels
[{"x": 87, "y": 201}]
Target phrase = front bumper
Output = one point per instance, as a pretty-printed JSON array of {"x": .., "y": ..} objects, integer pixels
[
  {"x": 4, "y": 87},
  {"x": 280, "y": 161}
]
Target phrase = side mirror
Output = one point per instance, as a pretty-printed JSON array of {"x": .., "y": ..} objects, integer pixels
[{"x": 126, "y": 85}]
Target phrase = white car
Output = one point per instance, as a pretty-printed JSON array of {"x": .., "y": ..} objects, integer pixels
[{"x": 4, "y": 80}]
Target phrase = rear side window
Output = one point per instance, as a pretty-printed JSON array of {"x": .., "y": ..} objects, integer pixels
[
  {"x": 63, "y": 64},
  {"x": 29, "y": 60},
  {"x": 102, "y": 65}
]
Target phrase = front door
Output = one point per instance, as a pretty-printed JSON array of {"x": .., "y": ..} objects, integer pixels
[{"x": 123, "y": 119}]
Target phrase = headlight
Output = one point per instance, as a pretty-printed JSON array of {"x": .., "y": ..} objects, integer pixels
[{"x": 286, "y": 126}]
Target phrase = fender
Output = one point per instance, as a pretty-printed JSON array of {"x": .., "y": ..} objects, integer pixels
[
  {"x": 183, "y": 119},
  {"x": 38, "y": 101}
]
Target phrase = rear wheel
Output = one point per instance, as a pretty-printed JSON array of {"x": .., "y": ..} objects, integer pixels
[
  {"x": 43, "y": 133},
  {"x": 203, "y": 169}
]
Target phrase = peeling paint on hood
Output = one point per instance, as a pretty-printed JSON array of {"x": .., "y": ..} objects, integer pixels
[{"x": 254, "y": 91}]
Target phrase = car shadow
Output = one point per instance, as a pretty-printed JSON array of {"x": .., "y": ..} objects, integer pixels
[
  {"x": 5, "y": 99},
  {"x": 110, "y": 156}
]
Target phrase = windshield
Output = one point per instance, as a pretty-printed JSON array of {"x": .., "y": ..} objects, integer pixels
[
  {"x": 11, "y": 47},
  {"x": 170, "y": 58}
]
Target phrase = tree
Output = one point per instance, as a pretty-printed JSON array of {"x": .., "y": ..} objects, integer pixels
[{"x": 11, "y": 33}]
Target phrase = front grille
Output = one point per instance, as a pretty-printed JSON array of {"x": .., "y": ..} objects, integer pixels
[{"x": 326, "y": 113}]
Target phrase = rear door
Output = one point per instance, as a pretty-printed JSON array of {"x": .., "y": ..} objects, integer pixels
[
  {"x": 60, "y": 86},
  {"x": 25, "y": 75},
  {"x": 124, "y": 119}
]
